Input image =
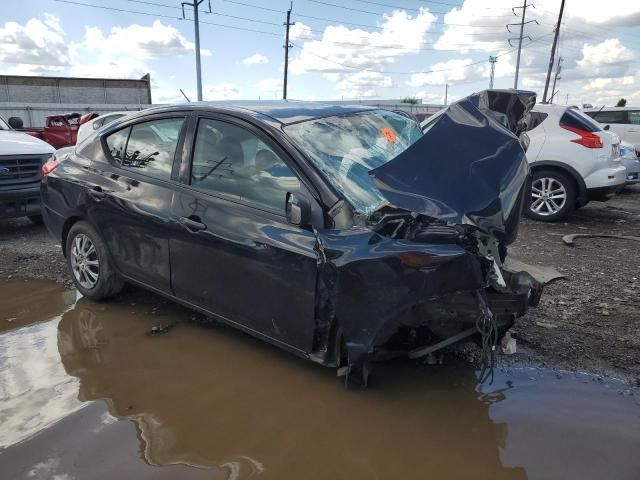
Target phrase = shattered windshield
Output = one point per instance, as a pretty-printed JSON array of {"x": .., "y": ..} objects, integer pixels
[{"x": 345, "y": 148}]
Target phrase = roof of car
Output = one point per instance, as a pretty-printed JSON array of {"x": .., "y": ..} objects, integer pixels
[
  {"x": 282, "y": 111},
  {"x": 609, "y": 109}
]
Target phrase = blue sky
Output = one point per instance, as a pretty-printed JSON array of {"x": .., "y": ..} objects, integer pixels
[{"x": 352, "y": 49}]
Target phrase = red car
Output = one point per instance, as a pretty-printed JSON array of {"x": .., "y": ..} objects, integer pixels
[{"x": 59, "y": 130}]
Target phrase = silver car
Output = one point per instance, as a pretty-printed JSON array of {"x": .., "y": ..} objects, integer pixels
[{"x": 629, "y": 158}]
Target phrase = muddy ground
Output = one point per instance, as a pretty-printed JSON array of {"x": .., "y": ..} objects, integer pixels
[{"x": 588, "y": 321}]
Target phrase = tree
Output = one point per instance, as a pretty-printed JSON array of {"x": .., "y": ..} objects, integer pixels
[
  {"x": 622, "y": 102},
  {"x": 412, "y": 100}
]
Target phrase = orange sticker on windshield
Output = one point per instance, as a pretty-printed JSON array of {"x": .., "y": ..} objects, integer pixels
[{"x": 389, "y": 134}]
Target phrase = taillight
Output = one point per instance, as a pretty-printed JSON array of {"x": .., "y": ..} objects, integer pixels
[
  {"x": 48, "y": 167},
  {"x": 587, "y": 139}
]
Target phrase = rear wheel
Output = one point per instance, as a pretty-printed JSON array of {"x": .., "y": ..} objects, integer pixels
[
  {"x": 552, "y": 196},
  {"x": 89, "y": 263}
]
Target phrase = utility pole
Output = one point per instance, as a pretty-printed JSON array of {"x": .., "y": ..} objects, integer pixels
[
  {"x": 553, "y": 52},
  {"x": 287, "y": 46},
  {"x": 446, "y": 93},
  {"x": 556, "y": 77},
  {"x": 492, "y": 61},
  {"x": 196, "y": 24},
  {"x": 520, "y": 37}
]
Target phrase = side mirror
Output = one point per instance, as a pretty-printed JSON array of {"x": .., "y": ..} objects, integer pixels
[
  {"x": 607, "y": 127},
  {"x": 298, "y": 209}
]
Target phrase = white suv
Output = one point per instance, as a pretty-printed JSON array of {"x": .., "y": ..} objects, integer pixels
[
  {"x": 572, "y": 159},
  {"x": 624, "y": 121}
]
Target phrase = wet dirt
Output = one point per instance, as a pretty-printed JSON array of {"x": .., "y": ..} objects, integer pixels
[
  {"x": 87, "y": 392},
  {"x": 591, "y": 319}
]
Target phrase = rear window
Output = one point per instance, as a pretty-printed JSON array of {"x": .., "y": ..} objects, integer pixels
[
  {"x": 611, "y": 117},
  {"x": 573, "y": 118}
]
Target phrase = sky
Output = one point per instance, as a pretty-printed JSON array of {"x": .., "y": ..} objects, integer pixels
[{"x": 341, "y": 49}]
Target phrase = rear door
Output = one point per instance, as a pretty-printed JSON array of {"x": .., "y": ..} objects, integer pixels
[
  {"x": 232, "y": 250},
  {"x": 131, "y": 195}
]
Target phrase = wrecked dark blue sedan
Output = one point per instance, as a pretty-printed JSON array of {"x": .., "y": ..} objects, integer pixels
[{"x": 340, "y": 233}]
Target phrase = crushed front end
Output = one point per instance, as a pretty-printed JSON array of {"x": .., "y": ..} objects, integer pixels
[{"x": 426, "y": 269}]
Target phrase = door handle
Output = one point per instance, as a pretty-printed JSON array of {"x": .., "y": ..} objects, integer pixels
[
  {"x": 192, "y": 223},
  {"x": 97, "y": 194}
]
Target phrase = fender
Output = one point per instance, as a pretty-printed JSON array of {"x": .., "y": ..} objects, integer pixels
[{"x": 582, "y": 187}]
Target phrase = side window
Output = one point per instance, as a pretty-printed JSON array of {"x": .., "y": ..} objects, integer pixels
[
  {"x": 634, "y": 117},
  {"x": 230, "y": 160},
  {"x": 152, "y": 146},
  {"x": 611, "y": 117},
  {"x": 116, "y": 142}
]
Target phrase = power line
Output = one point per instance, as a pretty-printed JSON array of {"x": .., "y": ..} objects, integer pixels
[
  {"x": 359, "y": 68},
  {"x": 320, "y": 2},
  {"x": 158, "y": 15}
]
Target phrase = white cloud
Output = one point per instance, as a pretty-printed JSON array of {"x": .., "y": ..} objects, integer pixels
[
  {"x": 451, "y": 71},
  {"x": 270, "y": 85},
  {"x": 599, "y": 57},
  {"x": 342, "y": 49},
  {"x": 138, "y": 41},
  {"x": 255, "y": 59},
  {"x": 359, "y": 84},
  {"x": 35, "y": 43},
  {"x": 300, "y": 31},
  {"x": 222, "y": 91}
]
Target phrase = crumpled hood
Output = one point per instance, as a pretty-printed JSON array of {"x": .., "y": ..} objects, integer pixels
[{"x": 469, "y": 167}]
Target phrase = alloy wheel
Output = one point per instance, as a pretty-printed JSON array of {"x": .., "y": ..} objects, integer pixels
[
  {"x": 548, "y": 196},
  {"x": 84, "y": 261}
]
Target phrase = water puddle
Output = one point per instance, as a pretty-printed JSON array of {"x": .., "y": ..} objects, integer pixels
[{"x": 87, "y": 392}]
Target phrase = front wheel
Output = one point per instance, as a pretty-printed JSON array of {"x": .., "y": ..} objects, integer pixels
[
  {"x": 552, "y": 196},
  {"x": 89, "y": 263}
]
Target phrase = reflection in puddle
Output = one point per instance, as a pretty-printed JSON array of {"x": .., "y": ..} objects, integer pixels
[
  {"x": 35, "y": 390},
  {"x": 215, "y": 398}
]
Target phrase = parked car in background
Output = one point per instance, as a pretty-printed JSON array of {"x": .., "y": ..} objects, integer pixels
[
  {"x": 97, "y": 122},
  {"x": 59, "y": 130},
  {"x": 572, "y": 161},
  {"x": 629, "y": 158},
  {"x": 21, "y": 158},
  {"x": 339, "y": 233},
  {"x": 624, "y": 121}
]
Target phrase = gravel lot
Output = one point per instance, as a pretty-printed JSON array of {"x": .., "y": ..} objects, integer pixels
[{"x": 588, "y": 321}]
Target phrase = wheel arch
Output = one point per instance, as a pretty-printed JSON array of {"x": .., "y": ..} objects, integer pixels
[
  {"x": 69, "y": 222},
  {"x": 572, "y": 173}
]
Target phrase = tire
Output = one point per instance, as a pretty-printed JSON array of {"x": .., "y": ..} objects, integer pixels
[
  {"x": 552, "y": 195},
  {"x": 89, "y": 263},
  {"x": 36, "y": 219}
]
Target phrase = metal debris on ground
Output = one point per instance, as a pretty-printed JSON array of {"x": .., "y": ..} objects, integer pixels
[{"x": 569, "y": 239}]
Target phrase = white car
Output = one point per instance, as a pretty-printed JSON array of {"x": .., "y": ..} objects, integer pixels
[
  {"x": 91, "y": 126},
  {"x": 629, "y": 158},
  {"x": 572, "y": 160},
  {"x": 624, "y": 121}
]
